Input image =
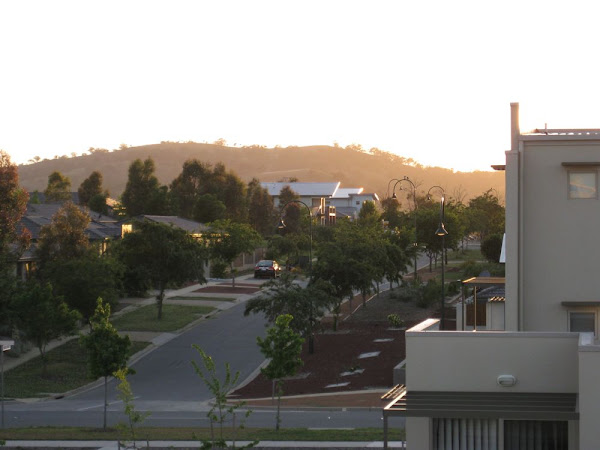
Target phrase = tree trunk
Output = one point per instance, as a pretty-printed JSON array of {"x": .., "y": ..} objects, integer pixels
[
  {"x": 105, "y": 401},
  {"x": 159, "y": 299},
  {"x": 232, "y": 275}
]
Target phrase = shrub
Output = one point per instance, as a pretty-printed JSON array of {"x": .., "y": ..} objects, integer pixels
[
  {"x": 218, "y": 269},
  {"x": 395, "y": 320}
]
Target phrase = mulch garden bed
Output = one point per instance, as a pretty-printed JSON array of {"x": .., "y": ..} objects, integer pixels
[{"x": 337, "y": 358}]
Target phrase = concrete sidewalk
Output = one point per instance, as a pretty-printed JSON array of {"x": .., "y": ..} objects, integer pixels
[{"x": 166, "y": 445}]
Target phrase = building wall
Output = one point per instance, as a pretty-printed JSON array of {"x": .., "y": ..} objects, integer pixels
[
  {"x": 558, "y": 244},
  {"x": 589, "y": 396},
  {"x": 477, "y": 359}
]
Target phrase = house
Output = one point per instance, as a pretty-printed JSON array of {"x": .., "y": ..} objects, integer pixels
[
  {"x": 327, "y": 200},
  {"x": 100, "y": 231},
  {"x": 309, "y": 193},
  {"x": 533, "y": 382},
  {"x": 348, "y": 201}
]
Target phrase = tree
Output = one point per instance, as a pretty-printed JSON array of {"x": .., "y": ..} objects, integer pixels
[
  {"x": 143, "y": 193},
  {"x": 42, "y": 316},
  {"x": 90, "y": 187},
  {"x": 368, "y": 214},
  {"x": 284, "y": 296},
  {"x": 209, "y": 208},
  {"x": 283, "y": 346},
  {"x": 107, "y": 351},
  {"x": 485, "y": 215},
  {"x": 160, "y": 254},
  {"x": 64, "y": 237},
  {"x": 134, "y": 417},
  {"x": 13, "y": 204},
  {"x": 221, "y": 408},
  {"x": 58, "y": 189},
  {"x": 292, "y": 212},
  {"x": 188, "y": 186},
  {"x": 82, "y": 280},
  {"x": 260, "y": 208},
  {"x": 491, "y": 247},
  {"x": 13, "y": 239},
  {"x": 227, "y": 240}
]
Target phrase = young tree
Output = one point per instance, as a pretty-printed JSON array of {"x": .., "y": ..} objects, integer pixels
[
  {"x": 107, "y": 351},
  {"x": 227, "y": 240},
  {"x": 283, "y": 347},
  {"x": 221, "y": 409},
  {"x": 134, "y": 417},
  {"x": 58, "y": 189},
  {"x": 209, "y": 208},
  {"x": 42, "y": 316},
  {"x": 161, "y": 254},
  {"x": 64, "y": 237}
]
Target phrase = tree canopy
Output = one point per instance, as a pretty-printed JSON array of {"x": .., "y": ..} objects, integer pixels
[
  {"x": 58, "y": 189},
  {"x": 161, "y": 254}
]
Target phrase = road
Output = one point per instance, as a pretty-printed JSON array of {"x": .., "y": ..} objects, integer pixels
[{"x": 167, "y": 386}]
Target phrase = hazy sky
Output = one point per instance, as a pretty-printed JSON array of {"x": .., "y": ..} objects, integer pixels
[{"x": 427, "y": 80}]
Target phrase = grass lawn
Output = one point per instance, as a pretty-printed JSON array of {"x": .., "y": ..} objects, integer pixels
[
  {"x": 218, "y": 299},
  {"x": 66, "y": 370},
  {"x": 182, "y": 434},
  {"x": 174, "y": 317}
]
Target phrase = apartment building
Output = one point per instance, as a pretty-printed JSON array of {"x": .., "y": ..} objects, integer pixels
[{"x": 534, "y": 383}]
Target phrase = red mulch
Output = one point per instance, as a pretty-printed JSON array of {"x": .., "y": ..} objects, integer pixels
[{"x": 337, "y": 352}]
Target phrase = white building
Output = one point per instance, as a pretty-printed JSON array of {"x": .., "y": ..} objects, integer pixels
[{"x": 533, "y": 384}]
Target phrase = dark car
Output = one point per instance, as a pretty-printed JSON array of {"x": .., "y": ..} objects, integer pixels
[{"x": 267, "y": 268}]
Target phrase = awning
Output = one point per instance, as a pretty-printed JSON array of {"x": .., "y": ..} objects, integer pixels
[{"x": 499, "y": 405}]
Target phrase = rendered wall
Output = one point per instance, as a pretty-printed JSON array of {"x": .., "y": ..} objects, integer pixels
[
  {"x": 558, "y": 243},
  {"x": 589, "y": 397},
  {"x": 472, "y": 361}
]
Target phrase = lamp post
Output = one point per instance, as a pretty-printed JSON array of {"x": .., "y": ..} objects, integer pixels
[
  {"x": 414, "y": 195},
  {"x": 311, "y": 343},
  {"x": 441, "y": 231}
]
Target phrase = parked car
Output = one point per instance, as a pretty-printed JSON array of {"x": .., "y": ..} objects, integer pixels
[{"x": 268, "y": 268}]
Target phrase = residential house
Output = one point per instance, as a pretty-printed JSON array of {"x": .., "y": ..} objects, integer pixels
[
  {"x": 349, "y": 201},
  {"x": 100, "y": 231},
  {"x": 533, "y": 383}
]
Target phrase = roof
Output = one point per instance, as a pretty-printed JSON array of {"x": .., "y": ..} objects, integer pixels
[
  {"x": 480, "y": 405},
  {"x": 304, "y": 189},
  {"x": 347, "y": 192},
  {"x": 485, "y": 281},
  {"x": 38, "y": 215},
  {"x": 41, "y": 197},
  {"x": 185, "y": 224}
]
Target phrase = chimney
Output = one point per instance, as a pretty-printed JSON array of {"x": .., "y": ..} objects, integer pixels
[{"x": 514, "y": 127}]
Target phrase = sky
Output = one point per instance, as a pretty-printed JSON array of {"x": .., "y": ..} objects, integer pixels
[{"x": 432, "y": 81}]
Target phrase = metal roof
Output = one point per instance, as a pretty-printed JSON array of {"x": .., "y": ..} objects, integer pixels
[
  {"x": 484, "y": 281},
  {"x": 347, "y": 192},
  {"x": 466, "y": 405},
  {"x": 304, "y": 189}
]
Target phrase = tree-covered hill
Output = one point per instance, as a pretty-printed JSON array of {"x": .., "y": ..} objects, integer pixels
[{"x": 353, "y": 166}]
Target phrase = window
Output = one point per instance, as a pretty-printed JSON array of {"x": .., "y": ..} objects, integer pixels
[
  {"x": 583, "y": 184},
  {"x": 535, "y": 435},
  {"x": 582, "y": 322},
  {"x": 465, "y": 434}
]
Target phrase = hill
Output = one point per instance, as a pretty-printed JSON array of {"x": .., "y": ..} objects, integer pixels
[{"x": 352, "y": 166}]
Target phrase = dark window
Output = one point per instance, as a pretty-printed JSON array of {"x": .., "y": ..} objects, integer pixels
[{"x": 535, "y": 435}]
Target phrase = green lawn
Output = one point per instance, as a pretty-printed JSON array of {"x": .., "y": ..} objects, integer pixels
[
  {"x": 179, "y": 434},
  {"x": 174, "y": 317},
  {"x": 66, "y": 370}
]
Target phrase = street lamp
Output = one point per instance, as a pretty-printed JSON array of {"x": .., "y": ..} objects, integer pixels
[
  {"x": 441, "y": 231},
  {"x": 311, "y": 343},
  {"x": 414, "y": 195}
]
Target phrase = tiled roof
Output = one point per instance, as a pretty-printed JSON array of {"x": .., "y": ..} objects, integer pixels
[
  {"x": 185, "y": 224},
  {"x": 304, "y": 189}
]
